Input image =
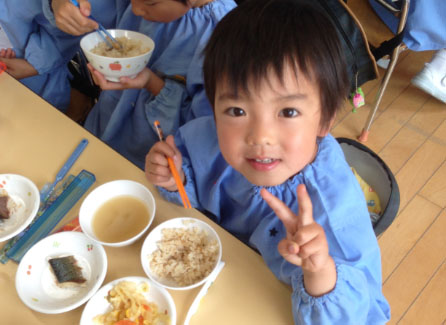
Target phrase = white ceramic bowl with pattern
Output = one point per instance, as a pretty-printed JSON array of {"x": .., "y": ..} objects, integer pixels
[{"x": 114, "y": 68}]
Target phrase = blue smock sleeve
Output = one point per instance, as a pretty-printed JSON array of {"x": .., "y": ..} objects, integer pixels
[
  {"x": 42, "y": 52},
  {"x": 48, "y": 12},
  {"x": 167, "y": 106},
  {"x": 356, "y": 297}
]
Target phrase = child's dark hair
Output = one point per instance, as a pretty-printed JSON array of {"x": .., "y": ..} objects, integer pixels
[{"x": 262, "y": 34}]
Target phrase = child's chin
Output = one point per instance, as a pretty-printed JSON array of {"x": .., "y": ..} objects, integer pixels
[{"x": 266, "y": 181}]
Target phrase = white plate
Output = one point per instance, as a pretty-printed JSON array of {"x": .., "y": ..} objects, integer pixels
[
  {"x": 26, "y": 197},
  {"x": 36, "y": 284},
  {"x": 150, "y": 245},
  {"x": 98, "y": 304}
]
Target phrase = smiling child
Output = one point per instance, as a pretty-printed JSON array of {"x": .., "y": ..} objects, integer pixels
[{"x": 266, "y": 167}]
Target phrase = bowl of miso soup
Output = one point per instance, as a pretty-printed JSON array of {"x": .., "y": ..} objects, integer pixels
[{"x": 117, "y": 213}]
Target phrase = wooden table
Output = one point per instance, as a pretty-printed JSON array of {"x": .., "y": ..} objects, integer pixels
[{"x": 36, "y": 141}]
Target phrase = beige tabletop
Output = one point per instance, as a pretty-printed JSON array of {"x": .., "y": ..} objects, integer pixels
[{"x": 37, "y": 140}]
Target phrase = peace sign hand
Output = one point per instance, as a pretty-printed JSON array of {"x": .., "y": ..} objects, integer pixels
[{"x": 305, "y": 244}]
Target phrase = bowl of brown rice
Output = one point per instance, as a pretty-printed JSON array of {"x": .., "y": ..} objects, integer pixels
[
  {"x": 181, "y": 253},
  {"x": 115, "y": 63}
]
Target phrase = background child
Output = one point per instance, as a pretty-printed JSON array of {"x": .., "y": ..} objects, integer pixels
[
  {"x": 39, "y": 53},
  {"x": 266, "y": 167},
  {"x": 169, "y": 87}
]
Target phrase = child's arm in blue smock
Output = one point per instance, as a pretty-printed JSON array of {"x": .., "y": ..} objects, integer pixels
[
  {"x": 357, "y": 296},
  {"x": 42, "y": 52}
]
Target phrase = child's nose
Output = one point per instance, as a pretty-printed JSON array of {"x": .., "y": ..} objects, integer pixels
[
  {"x": 137, "y": 9},
  {"x": 261, "y": 132}
]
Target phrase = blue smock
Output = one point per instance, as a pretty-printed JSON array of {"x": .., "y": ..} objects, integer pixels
[
  {"x": 425, "y": 25},
  {"x": 339, "y": 207},
  {"x": 31, "y": 30},
  {"x": 124, "y": 118},
  {"x": 31, "y": 37}
]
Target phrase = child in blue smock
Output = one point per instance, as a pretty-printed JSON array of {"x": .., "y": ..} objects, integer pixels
[
  {"x": 266, "y": 167},
  {"x": 170, "y": 89},
  {"x": 39, "y": 53}
]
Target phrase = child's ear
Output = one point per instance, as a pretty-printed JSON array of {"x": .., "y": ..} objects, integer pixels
[{"x": 325, "y": 129}]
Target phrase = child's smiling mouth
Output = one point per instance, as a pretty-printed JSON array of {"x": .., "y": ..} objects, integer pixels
[{"x": 263, "y": 164}]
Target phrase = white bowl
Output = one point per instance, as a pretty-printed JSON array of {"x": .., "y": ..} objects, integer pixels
[
  {"x": 150, "y": 245},
  {"x": 98, "y": 304},
  {"x": 114, "y": 68},
  {"x": 106, "y": 192},
  {"x": 26, "y": 197},
  {"x": 36, "y": 284}
]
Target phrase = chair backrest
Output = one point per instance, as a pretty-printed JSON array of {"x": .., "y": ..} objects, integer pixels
[{"x": 394, "y": 14}]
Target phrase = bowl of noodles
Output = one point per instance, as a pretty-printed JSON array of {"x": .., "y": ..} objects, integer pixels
[
  {"x": 130, "y": 300},
  {"x": 115, "y": 63}
]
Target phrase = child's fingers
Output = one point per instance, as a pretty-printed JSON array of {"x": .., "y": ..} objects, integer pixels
[
  {"x": 306, "y": 233},
  {"x": 92, "y": 72},
  {"x": 305, "y": 216},
  {"x": 289, "y": 251},
  {"x": 170, "y": 140},
  {"x": 9, "y": 53},
  {"x": 138, "y": 82},
  {"x": 287, "y": 216},
  {"x": 316, "y": 245},
  {"x": 85, "y": 7},
  {"x": 72, "y": 19},
  {"x": 160, "y": 180},
  {"x": 156, "y": 168},
  {"x": 158, "y": 153},
  {"x": 100, "y": 80}
]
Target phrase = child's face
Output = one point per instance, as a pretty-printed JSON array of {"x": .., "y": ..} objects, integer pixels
[
  {"x": 163, "y": 11},
  {"x": 270, "y": 133}
]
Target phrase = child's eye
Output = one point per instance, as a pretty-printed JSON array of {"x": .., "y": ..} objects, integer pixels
[
  {"x": 235, "y": 111},
  {"x": 288, "y": 112}
]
